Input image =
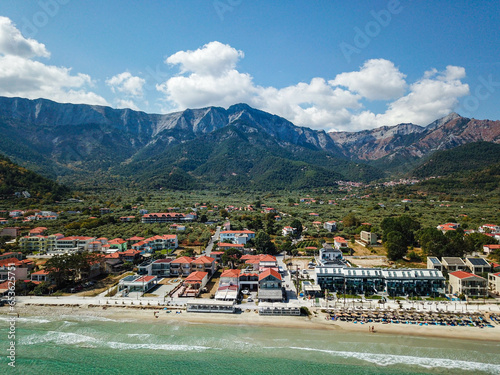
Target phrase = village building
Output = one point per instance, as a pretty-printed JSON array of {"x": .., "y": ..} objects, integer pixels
[
  {"x": 181, "y": 266},
  {"x": 452, "y": 264},
  {"x": 368, "y": 238},
  {"x": 249, "y": 280},
  {"x": 330, "y": 226},
  {"x": 494, "y": 283},
  {"x": 193, "y": 284},
  {"x": 270, "y": 286},
  {"x": 73, "y": 244},
  {"x": 137, "y": 283},
  {"x": 155, "y": 243},
  {"x": 288, "y": 231},
  {"x": 203, "y": 264},
  {"x": 434, "y": 263},
  {"x": 477, "y": 265},
  {"x": 13, "y": 266},
  {"x": 236, "y": 236},
  {"x": 468, "y": 284},
  {"x": 40, "y": 276},
  {"x": 329, "y": 255},
  {"x": 488, "y": 249},
  {"x": 340, "y": 243},
  {"x": 228, "y": 285}
]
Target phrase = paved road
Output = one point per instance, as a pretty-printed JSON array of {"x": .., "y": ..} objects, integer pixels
[
  {"x": 214, "y": 238},
  {"x": 287, "y": 279}
]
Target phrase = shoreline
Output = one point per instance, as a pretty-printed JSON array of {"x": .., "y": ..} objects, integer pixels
[{"x": 252, "y": 318}]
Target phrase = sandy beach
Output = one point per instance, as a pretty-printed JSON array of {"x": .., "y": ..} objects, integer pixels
[{"x": 318, "y": 321}]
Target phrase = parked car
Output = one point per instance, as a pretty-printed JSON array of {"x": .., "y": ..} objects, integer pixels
[{"x": 245, "y": 291}]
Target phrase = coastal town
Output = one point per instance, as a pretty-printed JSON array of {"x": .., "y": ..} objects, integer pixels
[{"x": 235, "y": 272}]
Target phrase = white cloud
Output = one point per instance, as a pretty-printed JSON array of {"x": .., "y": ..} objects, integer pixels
[
  {"x": 432, "y": 97},
  {"x": 21, "y": 75},
  {"x": 209, "y": 77},
  {"x": 13, "y": 43},
  {"x": 378, "y": 79},
  {"x": 127, "y": 83},
  {"x": 123, "y": 103},
  {"x": 213, "y": 59}
]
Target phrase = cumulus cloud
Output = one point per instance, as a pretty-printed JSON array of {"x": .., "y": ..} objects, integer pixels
[
  {"x": 213, "y": 59},
  {"x": 127, "y": 83},
  {"x": 433, "y": 96},
  {"x": 124, "y": 103},
  {"x": 13, "y": 43},
  {"x": 378, "y": 79},
  {"x": 21, "y": 75},
  {"x": 209, "y": 76}
]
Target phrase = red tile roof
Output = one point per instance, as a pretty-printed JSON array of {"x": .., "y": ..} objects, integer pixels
[
  {"x": 182, "y": 260},
  {"x": 116, "y": 241},
  {"x": 269, "y": 272},
  {"x": 196, "y": 277},
  {"x": 230, "y": 273},
  {"x": 203, "y": 259},
  {"x": 224, "y": 244},
  {"x": 10, "y": 261},
  {"x": 145, "y": 279},
  {"x": 463, "y": 274},
  {"x": 41, "y": 272}
]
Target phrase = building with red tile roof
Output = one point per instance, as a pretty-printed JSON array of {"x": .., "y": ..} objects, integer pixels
[
  {"x": 270, "y": 286},
  {"x": 469, "y": 284},
  {"x": 20, "y": 268}
]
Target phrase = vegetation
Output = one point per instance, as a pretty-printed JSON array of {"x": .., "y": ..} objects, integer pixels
[
  {"x": 15, "y": 179},
  {"x": 472, "y": 156}
]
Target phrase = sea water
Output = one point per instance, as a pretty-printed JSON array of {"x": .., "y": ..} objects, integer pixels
[{"x": 95, "y": 345}]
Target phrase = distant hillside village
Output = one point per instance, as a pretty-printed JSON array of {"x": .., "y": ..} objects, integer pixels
[{"x": 245, "y": 265}]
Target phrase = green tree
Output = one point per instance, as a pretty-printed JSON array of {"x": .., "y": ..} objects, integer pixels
[
  {"x": 432, "y": 241},
  {"x": 231, "y": 256},
  {"x": 395, "y": 245},
  {"x": 351, "y": 221},
  {"x": 296, "y": 223},
  {"x": 456, "y": 247},
  {"x": 263, "y": 243},
  {"x": 476, "y": 241}
]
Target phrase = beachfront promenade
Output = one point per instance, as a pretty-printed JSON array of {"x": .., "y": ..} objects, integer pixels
[{"x": 320, "y": 304}]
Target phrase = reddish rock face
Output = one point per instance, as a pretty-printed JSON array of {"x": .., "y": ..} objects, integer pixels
[{"x": 414, "y": 140}]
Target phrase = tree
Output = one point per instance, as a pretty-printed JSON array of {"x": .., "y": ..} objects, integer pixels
[
  {"x": 404, "y": 224},
  {"x": 286, "y": 246},
  {"x": 351, "y": 221},
  {"x": 476, "y": 241},
  {"x": 223, "y": 213},
  {"x": 231, "y": 256},
  {"x": 59, "y": 270},
  {"x": 263, "y": 243},
  {"x": 456, "y": 247},
  {"x": 298, "y": 227},
  {"x": 395, "y": 245},
  {"x": 432, "y": 241}
]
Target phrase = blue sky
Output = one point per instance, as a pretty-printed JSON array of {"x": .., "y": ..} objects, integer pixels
[{"x": 332, "y": 65}]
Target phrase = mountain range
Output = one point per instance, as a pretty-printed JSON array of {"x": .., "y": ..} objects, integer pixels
[{"x": 238, "y": 147}]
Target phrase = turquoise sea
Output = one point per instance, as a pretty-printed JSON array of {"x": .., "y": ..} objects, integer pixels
[{"x": 94, "y": 345}]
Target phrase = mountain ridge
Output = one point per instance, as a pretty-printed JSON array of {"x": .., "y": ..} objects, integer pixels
[{"x": 75, "y": 141}]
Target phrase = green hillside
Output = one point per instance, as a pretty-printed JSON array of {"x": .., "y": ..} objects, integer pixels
[
  {"x": 234, "y": 157},
  {"x": 470, "y": 157},
  {"x": 14, "y": 178}
]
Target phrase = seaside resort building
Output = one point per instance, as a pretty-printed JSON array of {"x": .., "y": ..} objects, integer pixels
[{"x": 412, "y": 282}]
